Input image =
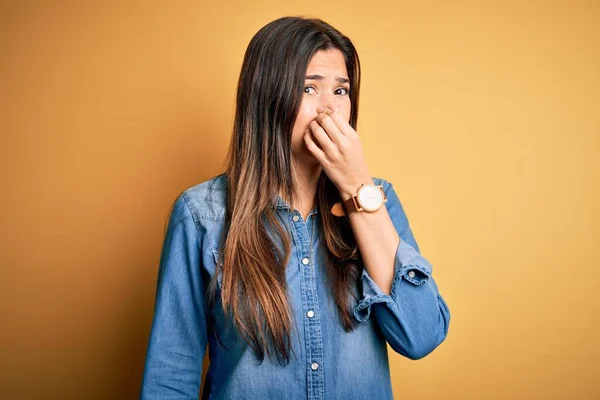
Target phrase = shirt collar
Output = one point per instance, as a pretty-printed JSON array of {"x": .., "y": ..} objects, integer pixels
[{"x": 281, "y": 203}]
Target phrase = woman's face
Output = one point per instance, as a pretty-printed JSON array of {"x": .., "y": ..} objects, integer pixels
[{"x": 326, "y": 85}]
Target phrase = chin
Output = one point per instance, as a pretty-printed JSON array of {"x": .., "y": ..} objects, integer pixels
[{"x": 307, "y": 158}]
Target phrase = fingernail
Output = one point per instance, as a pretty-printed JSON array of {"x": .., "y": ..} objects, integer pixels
[{"x": 320, "y": 109}]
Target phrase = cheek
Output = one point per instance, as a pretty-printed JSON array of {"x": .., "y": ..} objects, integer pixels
[
  {"x": 345, "y": 110},
  {"x": 306, "y": 114},
  {"x": 343, "y": 106}
]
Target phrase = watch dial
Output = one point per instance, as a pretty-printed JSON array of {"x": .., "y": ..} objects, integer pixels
[{"x": 370, "y": 197}]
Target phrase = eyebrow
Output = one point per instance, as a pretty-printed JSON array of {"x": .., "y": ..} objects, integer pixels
[{"x": 321, "y": 77}]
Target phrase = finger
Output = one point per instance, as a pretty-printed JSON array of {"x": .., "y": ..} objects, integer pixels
[
  {"x": 322, "y": 138},
  {"x": 331, "y": 129},
  {"x": 340, "y": 122},
  {"x": 313, "y": 147}
]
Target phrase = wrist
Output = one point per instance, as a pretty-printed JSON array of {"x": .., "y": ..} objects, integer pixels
[{"x": 350, "y": 190}]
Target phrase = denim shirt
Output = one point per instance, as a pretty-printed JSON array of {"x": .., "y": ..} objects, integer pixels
[{"x": 326, "y": 362}]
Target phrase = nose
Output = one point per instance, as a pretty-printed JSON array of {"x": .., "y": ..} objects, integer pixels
[{"x": 329, "y": 101}]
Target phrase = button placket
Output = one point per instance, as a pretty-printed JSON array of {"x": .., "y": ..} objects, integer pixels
[{"x": 310, "y": 304}]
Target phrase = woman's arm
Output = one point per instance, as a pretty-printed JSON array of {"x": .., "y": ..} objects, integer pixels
[
  {"x": 377, "y": 240},
  {"x": 178, "y": 336},
  {"x": 397, "y": 281}
]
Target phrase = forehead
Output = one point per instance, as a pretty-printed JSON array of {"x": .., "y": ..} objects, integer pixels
[{"x": 327, "y": 60}]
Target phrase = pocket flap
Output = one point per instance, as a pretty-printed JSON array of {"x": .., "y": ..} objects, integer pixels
[{"x": 217, "y": 258}]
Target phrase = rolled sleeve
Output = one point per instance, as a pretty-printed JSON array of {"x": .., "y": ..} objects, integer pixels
[
  {"x": 408, "y": 265},
  {"x": 414, "y": 318}
]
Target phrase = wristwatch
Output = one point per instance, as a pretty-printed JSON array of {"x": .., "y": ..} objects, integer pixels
[{"x": 368, "y": 198}]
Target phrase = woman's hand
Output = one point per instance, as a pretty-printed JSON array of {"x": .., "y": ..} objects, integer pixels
[{"x": 336, "y": 145}]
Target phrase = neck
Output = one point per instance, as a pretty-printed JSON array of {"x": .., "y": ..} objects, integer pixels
[{"x": 305, "y": 186}]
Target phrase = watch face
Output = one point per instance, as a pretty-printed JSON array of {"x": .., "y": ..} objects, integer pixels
[{"x": 370, "y": 197}]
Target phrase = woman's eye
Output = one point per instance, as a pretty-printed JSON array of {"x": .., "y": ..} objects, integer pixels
[{"x": 339, "y": 91}]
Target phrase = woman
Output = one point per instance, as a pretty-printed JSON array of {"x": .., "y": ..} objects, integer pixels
[{"x": 274, "y": 258}]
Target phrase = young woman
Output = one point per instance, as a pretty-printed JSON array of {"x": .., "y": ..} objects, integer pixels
[{"x": 295, "y": 252}]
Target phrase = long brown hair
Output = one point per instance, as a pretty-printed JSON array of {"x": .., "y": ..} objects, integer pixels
[{"x": 269, "y": 95}]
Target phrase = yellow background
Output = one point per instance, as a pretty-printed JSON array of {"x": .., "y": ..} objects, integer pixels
[{"x": 484, "y": 116}]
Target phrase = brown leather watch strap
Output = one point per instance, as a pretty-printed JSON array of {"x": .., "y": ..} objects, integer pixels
[
  {"x": 343, "y": 208},
  {"x": 338, "y": 210}
]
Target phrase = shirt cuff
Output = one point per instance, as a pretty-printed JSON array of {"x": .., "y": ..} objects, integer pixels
[{"x": 408, "y": 265}]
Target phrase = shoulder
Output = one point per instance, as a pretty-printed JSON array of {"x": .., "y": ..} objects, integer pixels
[
  {"x": 205, "y": 200},
  {"x": 393, "y": 201}
]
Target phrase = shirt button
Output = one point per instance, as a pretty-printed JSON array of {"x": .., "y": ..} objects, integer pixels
[
  {"x": 305, "y": 260},
  {"x": 310, "y": 313},
  {"x": 314, "y": 366},
  {"x": 411, "y": 274},
  {"x": 295, "y": 218}
]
